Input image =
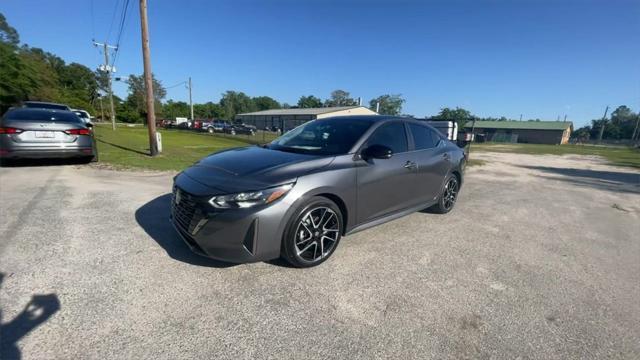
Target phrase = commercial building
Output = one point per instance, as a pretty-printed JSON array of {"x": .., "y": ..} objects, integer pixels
[
  {"x": 533, "y": 132},
  {"x": 286, "y": 119}
]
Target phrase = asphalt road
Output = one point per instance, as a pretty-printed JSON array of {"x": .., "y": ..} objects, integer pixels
[{"x": 540, "y": 259}]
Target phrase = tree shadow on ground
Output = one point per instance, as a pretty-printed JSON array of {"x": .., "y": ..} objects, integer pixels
[
  {"x": 623, "y": 182},
  {"x": 153, "y": 217},
  {"x": 37, "y": 311},
  {"x": 123, "y": 147}
]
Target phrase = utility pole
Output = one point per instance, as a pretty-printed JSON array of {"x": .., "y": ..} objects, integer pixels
[
  {"x": 603, "y": 122},
  {"x": 108, "y": 69},
  {"x": 520, "y": 117},
  {"x": 190, "y": 101},
  {"x": 565, "y": 118},
  {"x": 101, "y": 109},
  {"x": 635, "y": 130},
  {"x": 148, "y": 80}
]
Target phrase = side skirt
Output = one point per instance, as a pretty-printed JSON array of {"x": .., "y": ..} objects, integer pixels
[{"x": 389, "y": 217}]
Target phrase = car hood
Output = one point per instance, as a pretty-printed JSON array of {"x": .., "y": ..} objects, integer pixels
[{"x": 252, "y": 168}]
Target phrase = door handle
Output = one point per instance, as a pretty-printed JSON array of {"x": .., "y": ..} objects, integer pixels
[
  {"x": 446, "y": 156},
  {"x": 410, "y": 165}
]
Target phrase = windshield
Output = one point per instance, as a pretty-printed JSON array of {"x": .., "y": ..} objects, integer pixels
[
  {"x": 82, "y": 114},
  {"x": 333, "y": 136}
]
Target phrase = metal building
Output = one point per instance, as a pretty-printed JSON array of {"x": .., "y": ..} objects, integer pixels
[
  {"x": 287, "y": 119},
  {"x": 533, "y": 132}
]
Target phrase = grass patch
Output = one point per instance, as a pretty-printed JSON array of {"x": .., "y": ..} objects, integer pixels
[
  {"x": 127, "y": 147},
  {"x": 620, "y": 156}
]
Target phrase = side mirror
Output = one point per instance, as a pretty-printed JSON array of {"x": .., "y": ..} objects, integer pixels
[{"x": 376, "y": 152}]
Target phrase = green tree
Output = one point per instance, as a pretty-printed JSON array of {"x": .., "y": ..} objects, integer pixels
[
  {"x": 389, "y": 104},
  {"x": 459, "y": 115},
  {"x": 8, "y": 34},
  {"x": 136, "y": 100},
  {"x": 208, "y": 110},
  {"x": 340, "y": 98},
  {"x": 234, "y": 102},
  {"x": 28, "y": 73},
  {"x": 16, "y": 83},
  {"x": 265, "y": 103},
  {"x": 309, "y": 102},
  {"x": 582, "y": 134},
  {"x": 173, "y": 109}
]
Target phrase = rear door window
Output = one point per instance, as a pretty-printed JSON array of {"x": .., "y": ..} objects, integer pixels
[{"x": 423, "y": 137}]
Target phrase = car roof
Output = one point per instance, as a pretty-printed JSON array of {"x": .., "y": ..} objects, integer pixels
[
  {"x": 39, "y": 110},
  {"x": 43, "y": 102},
  {"x": 371, "y": 118}
]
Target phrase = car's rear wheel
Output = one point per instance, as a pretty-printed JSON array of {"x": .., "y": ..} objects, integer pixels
[
  {"x": 449, "y": 195},
  {"x": 210, "y": 130},
  {"x": 313, "y": 233}
]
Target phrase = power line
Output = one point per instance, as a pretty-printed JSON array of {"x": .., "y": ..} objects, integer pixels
[
  {"x": 176, "y": 85},
  {"x": 123, "y": 22},
  {"x": 93, "y": 20},
  {"x": 113, "y": 18}
]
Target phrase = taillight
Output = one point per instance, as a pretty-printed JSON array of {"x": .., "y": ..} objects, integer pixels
[
  {"x": 78, "y": 132},
  {"x": 9, "y": 130}
]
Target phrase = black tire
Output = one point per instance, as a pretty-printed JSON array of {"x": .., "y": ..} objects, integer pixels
[
  {"x": 302, "y": 223},
  {"x": 94, "y": 157},
  {"x": 448, "y": 196}
]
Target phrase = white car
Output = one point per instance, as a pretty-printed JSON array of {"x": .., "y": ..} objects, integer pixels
[{"x": 84, "y": 115}]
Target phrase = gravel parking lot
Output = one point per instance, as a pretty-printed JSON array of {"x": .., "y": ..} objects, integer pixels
[{"x": 540, "y": 259}]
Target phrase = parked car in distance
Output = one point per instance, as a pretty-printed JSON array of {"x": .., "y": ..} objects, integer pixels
[
  {"x": 82, "y": 114},
  {"x": 298, "y": 195},
  {"x": 239, "y": 129},
  {"x": 45, "y": 133},
  {"x": 45, "y": 105},
  {"x": 214, "y": 126}
]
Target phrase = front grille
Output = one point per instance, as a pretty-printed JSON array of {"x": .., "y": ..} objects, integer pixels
[{"x": 186, "y": 213}]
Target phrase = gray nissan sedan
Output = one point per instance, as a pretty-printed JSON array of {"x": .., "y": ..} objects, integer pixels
[
  {"x": 45, "y": 133},
  {"x": 297, "y": 196}
]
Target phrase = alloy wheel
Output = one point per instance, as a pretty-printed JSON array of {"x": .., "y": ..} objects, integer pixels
[
  {"x": 317, "y": 233},
  {"x": 450, "y": 193}
]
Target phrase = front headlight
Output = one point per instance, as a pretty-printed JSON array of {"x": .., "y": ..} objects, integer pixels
[{"x": 250, "y": 198}]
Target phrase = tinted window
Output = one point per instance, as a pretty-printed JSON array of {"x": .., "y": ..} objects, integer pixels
[
  {"x": 81, "y": 114},
  {"x": 331, "y": 136},
  {"x": 41, "y": 115},
  {"x": 45, "y": 106},
  {"x": 423, "y": 137},
  {"x": 391, "y": 135}
]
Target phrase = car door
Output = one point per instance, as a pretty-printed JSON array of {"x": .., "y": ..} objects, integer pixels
[
  {"x": 386, "y": 185},
  {"x": 432, "y": 158}
]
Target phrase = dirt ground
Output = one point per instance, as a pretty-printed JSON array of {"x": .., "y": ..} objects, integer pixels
[{"x": 540, "y": 259}]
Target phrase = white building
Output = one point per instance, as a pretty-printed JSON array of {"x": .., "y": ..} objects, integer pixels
[{"x": 289, "y": 118}]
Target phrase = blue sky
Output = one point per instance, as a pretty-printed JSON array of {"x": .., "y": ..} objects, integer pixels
[{"x": 539, "y": 58}]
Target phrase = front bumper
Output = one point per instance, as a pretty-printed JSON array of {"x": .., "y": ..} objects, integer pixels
[{"x": 233, "y": 235}]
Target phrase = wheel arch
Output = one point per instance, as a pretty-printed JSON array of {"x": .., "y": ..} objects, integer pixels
[{"x": 341, "y": 205}]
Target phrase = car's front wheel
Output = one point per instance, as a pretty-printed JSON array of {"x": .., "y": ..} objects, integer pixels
[{"x": 313, "y": 233}]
